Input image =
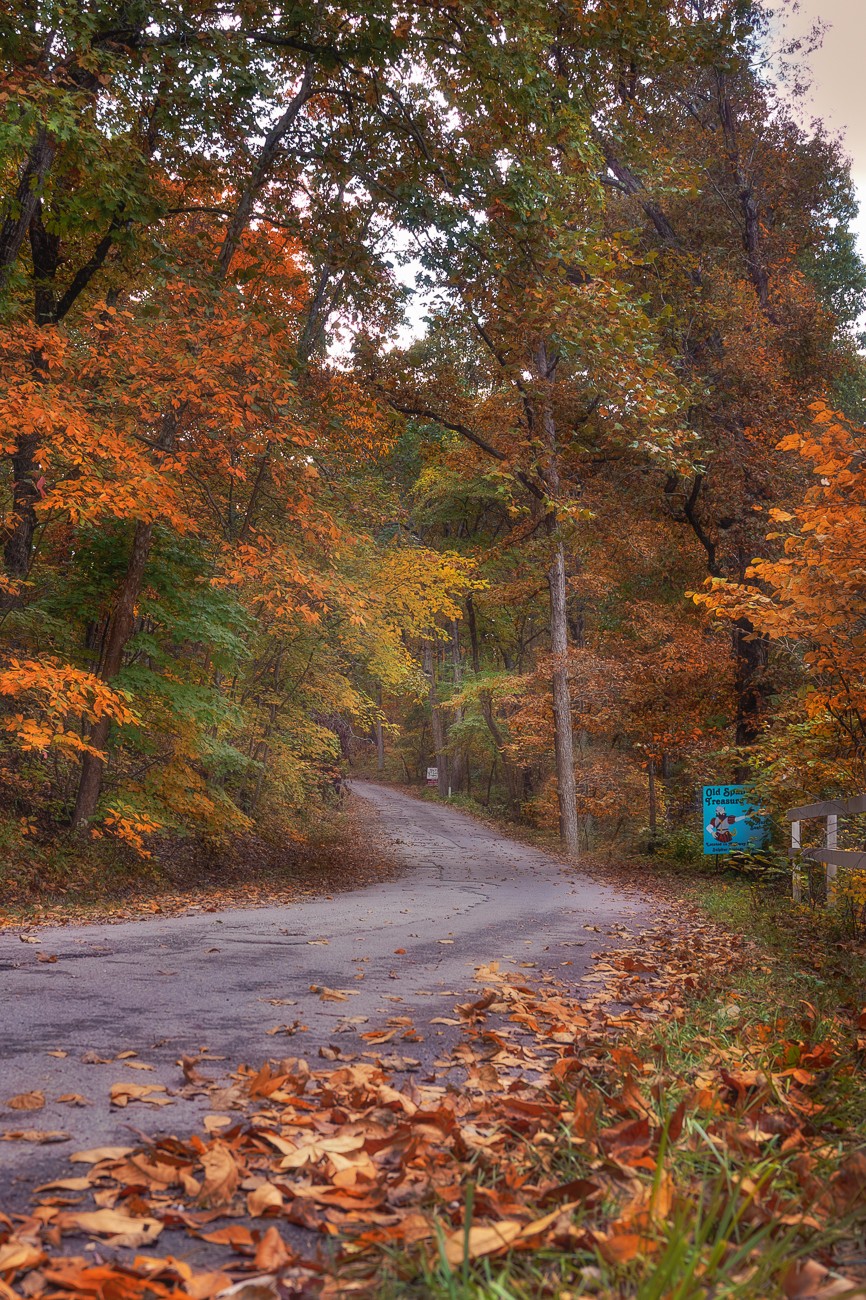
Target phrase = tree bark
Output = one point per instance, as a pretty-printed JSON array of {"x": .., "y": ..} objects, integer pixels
[
  {"x": 562, "y": 724},
  {"x": 456, "y": 758},
  {"x": 563, "y": 732},
  {"x": 473, "y": 633},
  {"x": 512, "y": 776},
  {"x": 653, "y": 808},
  {"x": 745, "y": 196},
  {"x": 380, "y": 739},
  {"x": 437, "y": 723},
  {"x": 16, "y": 222},
  {"x": 120, "y": 629},
  {"x": 750, "y": 653}
]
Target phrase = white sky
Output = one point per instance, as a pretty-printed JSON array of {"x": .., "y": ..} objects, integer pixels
[{"x": 838, "y": 93}]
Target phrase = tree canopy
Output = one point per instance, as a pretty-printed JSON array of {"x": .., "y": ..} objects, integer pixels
[{"x": 259, "y": 520}]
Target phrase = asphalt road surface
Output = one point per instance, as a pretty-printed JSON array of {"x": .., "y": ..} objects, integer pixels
[{"x": 166, "y": 987}]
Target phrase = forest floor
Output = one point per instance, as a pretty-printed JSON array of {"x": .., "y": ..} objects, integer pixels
[{"x": 506, "y": 1078}]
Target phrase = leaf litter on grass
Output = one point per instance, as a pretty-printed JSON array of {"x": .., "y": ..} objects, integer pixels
[{"x": 606, "y": 1144}]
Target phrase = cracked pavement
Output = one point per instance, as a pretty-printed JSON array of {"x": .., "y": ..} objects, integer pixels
[{"x": 171, "y": 986}]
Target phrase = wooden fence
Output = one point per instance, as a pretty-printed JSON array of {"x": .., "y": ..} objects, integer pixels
[{"x": 829, "y": 812}]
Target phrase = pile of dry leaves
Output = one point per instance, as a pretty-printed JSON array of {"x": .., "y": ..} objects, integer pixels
[{"x": 558, "y": 1128}]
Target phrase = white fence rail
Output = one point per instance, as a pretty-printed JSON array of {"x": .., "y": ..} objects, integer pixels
[{"x": 830, "y": 811}]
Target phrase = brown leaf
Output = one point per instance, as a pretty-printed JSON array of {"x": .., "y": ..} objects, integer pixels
[
  {"x": 849, "y": 1184},
  {"x": 485, "y": 1239},
  {"x": 621, "y": 1247},
  {"x": 220, "y": 1176},
  {"x": 272, "y": 1253},
  {"x": 190, "y": 1073},
  {"x": 234, "y": 1235},
  {"x": 19, "y": 1256},
  {"x": 122, "y": 1229},
  {"x": 96, "y": 1154},
  {"x": 808, "y": 1280},
  {"x": 579, "y": 1189},
  {"x": 205, "y": 1286},
  {"x": 331, "y": 995},
  {"x": 264, "y": 1197},
  {"x": 27, "y": 1101},
  {"x": 123, "y": 1093},
  {"x": 40, "y": 1135}
]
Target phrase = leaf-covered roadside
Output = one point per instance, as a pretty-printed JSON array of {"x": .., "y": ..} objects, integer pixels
[
  {"x": 655, "y": 1137},
  {"x": 102, "y": 882}
]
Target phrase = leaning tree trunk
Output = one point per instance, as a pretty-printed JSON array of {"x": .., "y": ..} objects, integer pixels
[{"x": 120, "y": 626}]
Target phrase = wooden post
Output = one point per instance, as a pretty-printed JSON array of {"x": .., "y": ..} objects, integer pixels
[
  {"x": 830, "y": 841},
  {"x": 795, "y": 844}
]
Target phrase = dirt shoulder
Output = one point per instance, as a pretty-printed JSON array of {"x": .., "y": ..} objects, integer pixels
[{"x": 64, "y": 884}]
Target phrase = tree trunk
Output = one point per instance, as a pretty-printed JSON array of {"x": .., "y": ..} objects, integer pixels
[
  {"x": 437, "y": 723},
  {"x": 457, "y": 758},
  {"x": 745, "y": 196},
  {"x": 563, "y": 732},
  {"x": 473, "y": 633},
  {"x": 18, "y": 216},
  {"x": 750, "y": 654},
  {"x": 380, "y": 739},
  {"x": 18, "y": 543},
  {"x": 653, "y": 809},
  {"x": 512, "y": 777},
  {"x": 119, "y": 631},
  {"x": 545, "y": 369}
]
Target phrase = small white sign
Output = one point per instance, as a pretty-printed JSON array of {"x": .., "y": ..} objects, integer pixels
[{"x": 432, "y": 773}]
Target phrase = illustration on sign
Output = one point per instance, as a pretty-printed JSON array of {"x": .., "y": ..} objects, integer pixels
[{"x": 731, "y": 820}]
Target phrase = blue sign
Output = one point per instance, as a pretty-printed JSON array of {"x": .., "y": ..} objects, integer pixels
[{"x": 732, "y": 820}]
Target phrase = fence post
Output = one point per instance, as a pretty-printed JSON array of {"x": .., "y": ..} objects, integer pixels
[
  {"x": 795, "y": 879},
  {"x": 830, "y": 841}
]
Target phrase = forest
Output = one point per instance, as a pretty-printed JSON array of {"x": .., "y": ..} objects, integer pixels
[
  {"x": 432, "y": 449},
  {"x": 446, "y": 386}
]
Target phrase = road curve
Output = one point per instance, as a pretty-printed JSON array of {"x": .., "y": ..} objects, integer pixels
[{"x": 166, "y": 987}]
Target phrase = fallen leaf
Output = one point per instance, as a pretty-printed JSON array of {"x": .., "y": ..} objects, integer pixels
[
  {"x": 98, "y": 1154},
  {"x": 485, "y": 1239},
  {"x": 622, "y": 1247},
  {"x": 220, "y": 1176},
  {"x": 264, "y": 1197},
  {"x": 122, "y": 1229},
  {"x": 121, "y": 1094},
  {"x": 39, "y": 1135},
  {"x": 234, "y": 1235},
  {"x": 19, "y": 1256},
  {"x": 27, "y": 1101},
  {"x": 808, "y": 1280},
  {"x": 272, "y": 1253}
]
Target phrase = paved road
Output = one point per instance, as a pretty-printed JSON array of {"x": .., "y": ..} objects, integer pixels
[{"x": 164, "y": 987}]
